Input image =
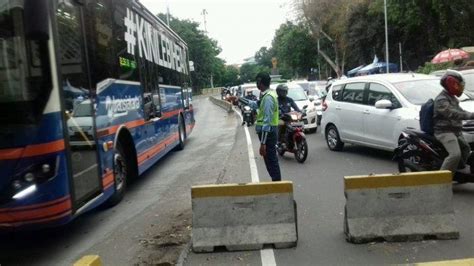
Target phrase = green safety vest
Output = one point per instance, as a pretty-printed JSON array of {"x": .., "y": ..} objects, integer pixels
[{"x": 276, "y": 116}]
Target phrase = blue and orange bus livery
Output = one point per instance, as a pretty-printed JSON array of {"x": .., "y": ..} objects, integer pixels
[{"x": 92, "y": 94}]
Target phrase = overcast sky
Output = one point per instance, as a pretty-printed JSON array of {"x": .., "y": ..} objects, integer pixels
[{"x": 240, "y": 27}]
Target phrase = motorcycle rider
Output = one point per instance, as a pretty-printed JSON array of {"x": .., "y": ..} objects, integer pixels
[
  {"x": 447, "y": 122},
  {"x": 285, "y": 104},
  {"x": 251, "y": 97}
]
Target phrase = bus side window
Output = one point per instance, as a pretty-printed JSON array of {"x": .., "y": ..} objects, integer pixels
[{"x": 128, "y": 63}]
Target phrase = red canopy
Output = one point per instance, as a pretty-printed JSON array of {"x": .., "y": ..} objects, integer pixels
[{"x": 449, "y": 55}]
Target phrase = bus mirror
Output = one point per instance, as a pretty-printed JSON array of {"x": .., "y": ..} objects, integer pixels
[{"x": 36, "y": 14}]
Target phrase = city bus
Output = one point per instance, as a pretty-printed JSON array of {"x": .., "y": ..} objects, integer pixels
[{"x": 92, "y": 94}]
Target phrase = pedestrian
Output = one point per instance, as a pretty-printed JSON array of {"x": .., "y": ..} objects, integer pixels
[
  {"x": 267, "y": 124},
  {"x": 447, "y": 120}
]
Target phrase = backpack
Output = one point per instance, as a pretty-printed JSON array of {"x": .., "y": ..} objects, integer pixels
[{"x": 426, "y": 117}]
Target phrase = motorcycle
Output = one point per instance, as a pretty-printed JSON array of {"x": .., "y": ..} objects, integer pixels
[
  {"x": 418, "y": 151},
  {"x": 295, "y": 138},
  {"x": 248, "y": 115}
]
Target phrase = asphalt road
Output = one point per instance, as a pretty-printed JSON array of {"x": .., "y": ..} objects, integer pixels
[
  {"x": 153, "y": 224},
  {"x": 319, "y": 192}
]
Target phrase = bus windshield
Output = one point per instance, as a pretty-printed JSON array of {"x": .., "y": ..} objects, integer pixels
[
  {"x": 21, "y": 71},
  {"x": 13, "y": 60}
]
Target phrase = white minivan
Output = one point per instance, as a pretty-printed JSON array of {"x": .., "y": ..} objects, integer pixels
[{"x": 373, "y": 110}]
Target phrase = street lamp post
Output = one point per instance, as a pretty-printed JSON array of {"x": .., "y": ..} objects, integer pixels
[{"x": 386, "y": 36}]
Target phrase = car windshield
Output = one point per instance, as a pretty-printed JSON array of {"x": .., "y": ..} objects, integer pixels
[
  {"x": 469, "y": 78},
  {"x": 255, "y": 92},
  {"x": 297, "y": 94},
  {"x": 419, "y": 91},
  {"x": 83, "y": 110}
]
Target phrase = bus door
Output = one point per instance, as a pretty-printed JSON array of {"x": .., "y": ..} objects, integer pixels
[{"x": 79, "y": 104}]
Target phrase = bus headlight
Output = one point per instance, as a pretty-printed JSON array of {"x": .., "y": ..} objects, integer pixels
[
  {"x": 29, "y": 177},
  {"x": 25, "y": 183},
  {"x": 25, "y": 192}
]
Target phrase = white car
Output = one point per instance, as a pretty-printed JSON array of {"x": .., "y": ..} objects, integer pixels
[
  {"x": 297, "y": 93},
  {"x": 373, "y": 110},
  {"x": 80, "y": 125},
  {"x": 468, "y": 75}
]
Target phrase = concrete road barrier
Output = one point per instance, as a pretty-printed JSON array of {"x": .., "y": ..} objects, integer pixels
[
  {"x": 224, "y": 104},
  {"x": 460, "y": 262},
  {"x": 89, "y": 260},
  {"x": 399, "y": 207},
  {"x": 243, "y": 216}
]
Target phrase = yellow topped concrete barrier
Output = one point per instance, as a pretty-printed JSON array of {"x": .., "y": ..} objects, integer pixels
[
  {"x": 243, "y": 216},
  {"x": 399, "y": 207},
  {"x": 89, "y": 260},
  {"x": 460, "y": 262}
]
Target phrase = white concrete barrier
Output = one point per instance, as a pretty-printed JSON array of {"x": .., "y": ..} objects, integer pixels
[
  {"x": 243, "y": 216},
  {"x": 399, "y": 207}
]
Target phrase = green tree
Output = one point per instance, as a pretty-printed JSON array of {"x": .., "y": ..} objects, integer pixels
[
  {"x": 231, "y": 76},
  {"x": 203, "y": 52},
  {"x": 295, "y": 49},
  {"x": 264, "y": 56},
  {"x": 248, "y": 72},
  {"x": 423, "y": 28},
  {"x": 327, "y": 21}
]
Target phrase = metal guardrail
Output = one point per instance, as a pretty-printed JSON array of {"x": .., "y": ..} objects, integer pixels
[{"x": 224, "y": 104}]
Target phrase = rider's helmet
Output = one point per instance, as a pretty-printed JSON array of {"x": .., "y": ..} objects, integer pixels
[
  {"x": 453, "y": 82},
  {"x": 282, "y": 90}
]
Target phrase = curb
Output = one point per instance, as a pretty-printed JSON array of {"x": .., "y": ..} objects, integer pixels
[{"x": 184, "y": 253}]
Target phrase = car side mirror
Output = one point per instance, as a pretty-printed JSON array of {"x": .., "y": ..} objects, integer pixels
[
  {"x": 384, "y": 104},
  {"x": 311, "y": 98}
]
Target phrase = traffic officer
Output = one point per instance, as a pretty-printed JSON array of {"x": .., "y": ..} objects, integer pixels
[{"x": 267, "y": 125}]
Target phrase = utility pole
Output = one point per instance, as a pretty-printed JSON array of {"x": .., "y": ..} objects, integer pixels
[
  {"x": 167, "y": 13},
  {"x": 204, "y": 13},
  {"x": 386, "y": 36},
  {"x": 401, "y": 57}
]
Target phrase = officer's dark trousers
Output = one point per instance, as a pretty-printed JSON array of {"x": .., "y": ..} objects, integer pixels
[{"x": 271, "y": 160}]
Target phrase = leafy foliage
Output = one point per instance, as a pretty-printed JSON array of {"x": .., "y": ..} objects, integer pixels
[
  {"x": 248, "y": 71},
  {"x": 203, "y": 51},
  {"x": 357, "y": 29},
  {"x": 295, "y": 48}
]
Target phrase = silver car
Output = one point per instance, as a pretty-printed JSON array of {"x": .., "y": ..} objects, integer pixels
[{"x": 373, "y": 110}]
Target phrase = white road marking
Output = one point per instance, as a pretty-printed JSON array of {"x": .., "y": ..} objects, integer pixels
[
  {"x": 253, "y": 164},
  {"x": 267, "y": 255},
  {"x": 268, "y": 258}
]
